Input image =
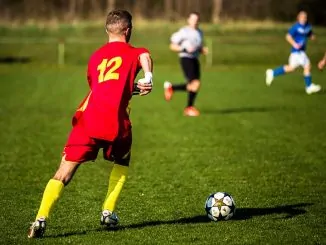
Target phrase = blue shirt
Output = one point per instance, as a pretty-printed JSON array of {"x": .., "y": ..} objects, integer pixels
[{"x": 300, "y": 34}]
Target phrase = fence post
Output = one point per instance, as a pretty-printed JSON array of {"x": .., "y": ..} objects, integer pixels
[
  {"x": 209, "y": 56},
  {"x": 61, "y": 52}
]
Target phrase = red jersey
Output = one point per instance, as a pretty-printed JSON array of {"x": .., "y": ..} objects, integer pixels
[{"x": 112, "y": 70}]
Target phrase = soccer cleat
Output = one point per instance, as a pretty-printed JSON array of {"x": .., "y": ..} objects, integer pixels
[
  {"x": 191, "y": 111},
  {"x": 37, "y": 228},
  {"x": 313, "y": 88},
  {"x": 269, "y": 77},
  {"x": 109, "y": 219},
  {"x": 168, "y": 90}
]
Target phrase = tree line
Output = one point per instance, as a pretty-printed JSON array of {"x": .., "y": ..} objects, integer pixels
[{"x": 171, "y": 10}]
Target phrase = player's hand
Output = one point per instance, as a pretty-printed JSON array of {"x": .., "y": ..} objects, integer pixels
[
  {"x": 191, "y": 49},
  {"x": 321, "y": 64},
  {"x": 144, "y": 92},
  {"x": 296, "y": 45},
  {"x": 205, "y": 51},
  {"x": 144, "y": 87},
  {"x": 145, "y": 84},
  {"x": 187, "y": 48}
]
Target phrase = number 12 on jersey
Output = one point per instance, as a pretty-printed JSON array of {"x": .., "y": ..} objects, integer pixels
[{"x": 113, "y": 64}]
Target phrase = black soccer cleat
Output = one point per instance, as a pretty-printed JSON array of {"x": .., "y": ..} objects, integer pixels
[
  {"x": 109, "y": 219},
  {"x": 37, "y": 228}
]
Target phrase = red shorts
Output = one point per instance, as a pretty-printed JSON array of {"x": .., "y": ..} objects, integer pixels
[{"x": 82, "y": 148}]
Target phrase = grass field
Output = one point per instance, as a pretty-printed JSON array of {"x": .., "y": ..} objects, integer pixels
[{"x": 265, "y": 146}]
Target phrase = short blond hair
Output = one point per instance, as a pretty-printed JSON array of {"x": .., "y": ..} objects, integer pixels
[{"x": 118, "y": 21}]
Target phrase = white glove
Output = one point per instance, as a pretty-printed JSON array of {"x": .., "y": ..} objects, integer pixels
[
  {"x": 148, "y": 79},
  {"x": 146, "y": 84}
]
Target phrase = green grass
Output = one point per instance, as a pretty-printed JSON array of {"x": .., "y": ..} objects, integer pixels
[
  {"x": 262, "y": 46},
  {"x": 265, "y": 146}
]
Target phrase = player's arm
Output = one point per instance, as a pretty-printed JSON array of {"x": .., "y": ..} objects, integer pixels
[
  {"x": 289, "y": 37},
  {"x": 176, "y": 42},
  {"x": 322, "y": 62},
  {"x": 146, "y": 84},
  {"x": 311, "y": 35},
  {"x": 204, "y": 49},
  {"x": 176, "y": 47},
  {"x": 291, "y": 41},
  {"x": 179, "y": 48}
]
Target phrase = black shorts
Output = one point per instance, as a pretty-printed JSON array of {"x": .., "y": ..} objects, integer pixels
[{"x": 191, "y": 68}]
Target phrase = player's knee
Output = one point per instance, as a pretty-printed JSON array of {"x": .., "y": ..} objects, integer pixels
[
  {"x": 288, "y": 68},
  {"x": 193, "y": 86},
  {"x": 65, "y": 171},
  {"x": 196, "y": 86},
  {"x": 62, "y": 176}
]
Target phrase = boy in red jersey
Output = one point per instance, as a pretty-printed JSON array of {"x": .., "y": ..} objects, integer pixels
[{"x": 102, "y": 119}]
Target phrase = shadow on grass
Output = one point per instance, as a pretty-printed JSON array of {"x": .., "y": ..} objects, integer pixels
[
  {"x": 289, "y": 211},
  {"x": 303, "y": 93},
  {"x": 14, "y": 59},
  {"x": 240, "y": 110}
]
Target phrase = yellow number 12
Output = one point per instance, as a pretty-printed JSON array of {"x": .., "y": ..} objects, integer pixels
[{"x": 111, "y": 74}]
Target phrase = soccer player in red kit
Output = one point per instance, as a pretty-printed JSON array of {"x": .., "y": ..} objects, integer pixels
[{"x": 102, "y": 119}]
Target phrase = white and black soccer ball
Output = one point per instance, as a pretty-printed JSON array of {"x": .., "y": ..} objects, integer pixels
[{"x": 220, "y": 206}]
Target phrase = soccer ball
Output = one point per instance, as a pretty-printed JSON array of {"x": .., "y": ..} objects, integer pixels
[{"x": 220, "y": 206}]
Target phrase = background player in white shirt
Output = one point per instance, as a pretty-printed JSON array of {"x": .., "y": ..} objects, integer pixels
[{"x": 188, "y": 42}]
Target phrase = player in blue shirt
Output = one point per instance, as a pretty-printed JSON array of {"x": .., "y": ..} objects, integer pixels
[{"x": 297, "y": 36}]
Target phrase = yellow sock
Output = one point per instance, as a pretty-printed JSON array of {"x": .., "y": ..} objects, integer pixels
[
  {"x": 116, "y": 181},
  {"x": 51, "y": 194}
]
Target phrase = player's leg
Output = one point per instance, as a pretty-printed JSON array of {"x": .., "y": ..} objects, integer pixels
[
  {"x": 281, "y": 70},
  {"x": 119, "y": 152},
  {"x": 193, "y": 86},
  {"x": 51, "y": 194},
  {"x": 55, "y": 186},
  {"x": 170, "y": 88},
  {"x": 79, "y": 148},
  {"x": 117, "y": 179},
  {"x": 310, "y": 87}
]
